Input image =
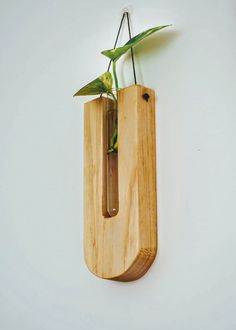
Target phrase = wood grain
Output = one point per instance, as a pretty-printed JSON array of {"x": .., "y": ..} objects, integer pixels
[{"x": 124, "y": 246}]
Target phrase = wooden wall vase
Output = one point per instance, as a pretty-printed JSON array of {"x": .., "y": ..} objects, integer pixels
[{"x": 121, "y": 247}]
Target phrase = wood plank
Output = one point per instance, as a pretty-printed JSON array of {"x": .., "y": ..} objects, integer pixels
[{"x": 124, "y": 246}]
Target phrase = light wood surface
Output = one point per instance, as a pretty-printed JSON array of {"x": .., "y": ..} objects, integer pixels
[{"x": 124, "y": 246}]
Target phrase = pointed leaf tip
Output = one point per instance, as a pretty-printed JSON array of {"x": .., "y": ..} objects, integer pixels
[
  {"x": 115, "y": 54},
  {"x": 102, "y": 84}
]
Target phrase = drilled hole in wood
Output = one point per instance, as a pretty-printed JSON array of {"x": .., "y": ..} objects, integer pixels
[{"x": 146, "y": 97}]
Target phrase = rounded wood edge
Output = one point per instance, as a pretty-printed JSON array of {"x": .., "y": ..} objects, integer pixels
[
  {"x": 134, "y": 271},
  {"x": 139, "y": 267}
]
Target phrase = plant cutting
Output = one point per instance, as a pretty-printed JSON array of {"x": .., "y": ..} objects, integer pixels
[{"x": 104, "y": 83}]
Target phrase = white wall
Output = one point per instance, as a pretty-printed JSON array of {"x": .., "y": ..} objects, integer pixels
[{"x": 49, "y": 49}]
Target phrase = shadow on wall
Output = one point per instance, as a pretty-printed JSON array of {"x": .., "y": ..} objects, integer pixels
[{"x": 150, "y": 47}]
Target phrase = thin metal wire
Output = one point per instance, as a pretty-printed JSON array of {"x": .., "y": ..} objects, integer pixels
[
  {"x": 131, "y": 49},
  {"x": 117, "y": 37}
]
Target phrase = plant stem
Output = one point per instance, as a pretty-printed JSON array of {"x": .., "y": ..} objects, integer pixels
[
  {"x": 115, "y": 76},
  {"x": 114, "y": 142},
  {"x": 114, "y": 98}
]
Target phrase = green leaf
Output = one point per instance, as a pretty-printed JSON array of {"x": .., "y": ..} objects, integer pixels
[
  {"x": 115, "y": 54},
  {"x": 102, "y": 84}
]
